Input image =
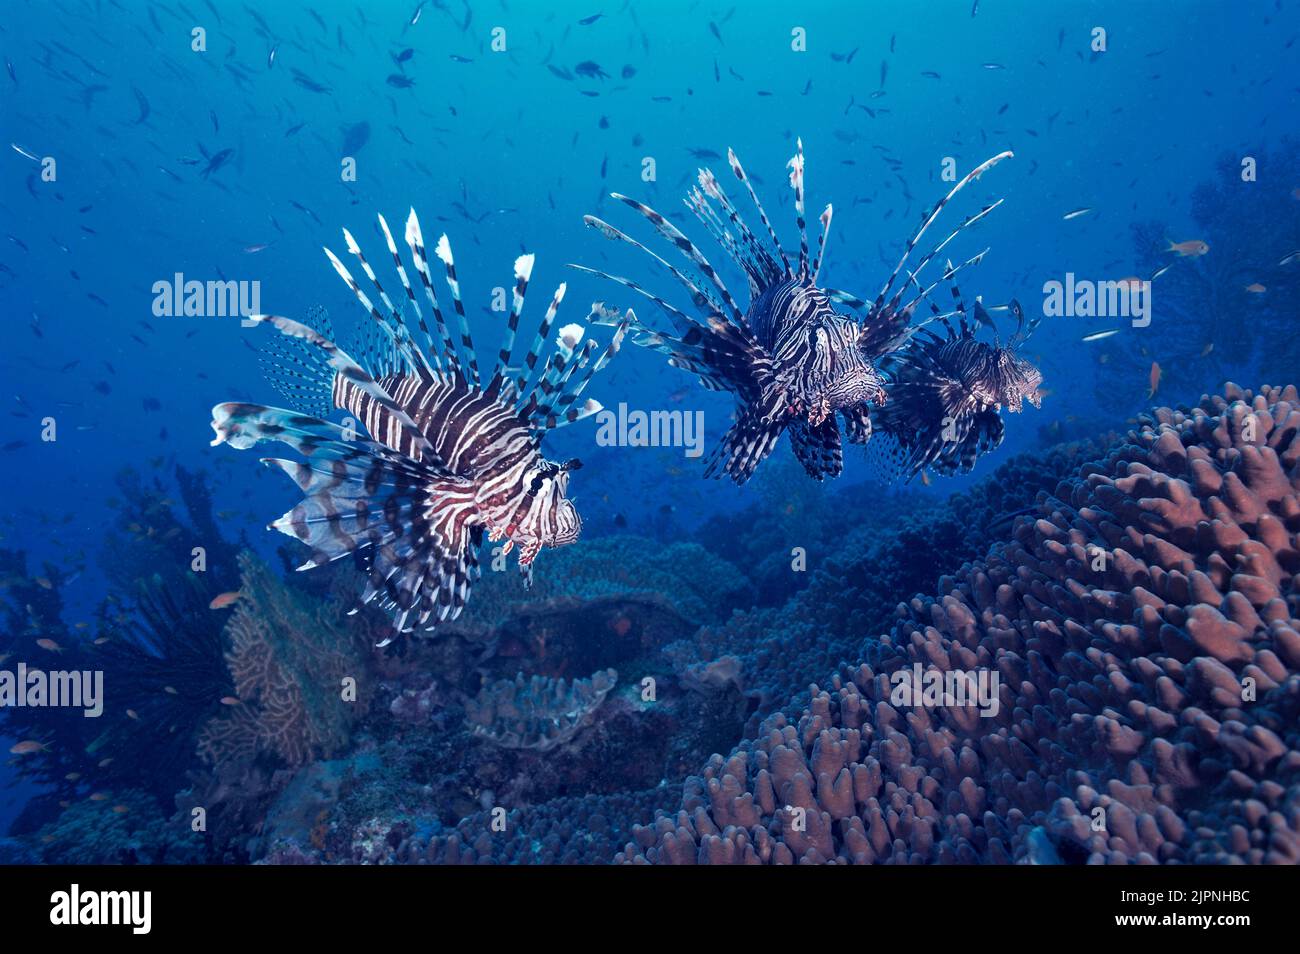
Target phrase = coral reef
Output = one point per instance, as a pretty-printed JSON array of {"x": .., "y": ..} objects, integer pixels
[
  {"x": 538, "y": 713},
  {"x": 128, "y": 828},
  {"x": 1144, "y": 629},
  {"x": 292, "y": 663}
]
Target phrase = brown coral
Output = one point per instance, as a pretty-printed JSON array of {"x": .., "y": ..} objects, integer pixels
[
  {"x": 289, "y": 659},
  {"x": 1144, "y": 631}
]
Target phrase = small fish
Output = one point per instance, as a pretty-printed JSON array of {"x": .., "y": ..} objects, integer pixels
[
  {"x": 46, "y": 643},
  {"x": 1293, "y": 257},
  {"x": 1098, "y": 335},
  {"x": 1075, "y": 214},
  {"x": 224, "y": 600},
  {"x": 1207, "y": 349},
  {"x": 1154, "y": 379},
  {"x": 591, "y": 69},
  {"x": 994, "y": 66},
  {"x": 132, "y": 714},
  {"x": 1193, "y": 248},
  {"x": 99, "y": 797},
  {"x": 270, "y": 57},
  {"x": 229, "y": 701},
  {"x": 588, "y": 21},
  {"x": 400, "y": 81},
  {"x": 1255, "y": 288},
  {"x": 28, "y": 747},
  {"x": 121, "y": 809},
  {"x": 44, "y": 583}
]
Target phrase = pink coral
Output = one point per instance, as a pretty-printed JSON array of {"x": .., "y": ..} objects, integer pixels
[{"x": 1144, "y": 631}]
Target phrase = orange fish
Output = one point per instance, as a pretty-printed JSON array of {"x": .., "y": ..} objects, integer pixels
[
  {"x": 1193, "y": 248},
  {"x": 224, "y": 600},
  {"x": 1255, "y": 288},
  {"x": 925, "y": 478},
  {"x": 99, "y": 797},
  {"x": 51, "y": 645},
  {"x": 1155, "y": 379},
  {"x": 121, "y": 809},
  {"x": 27, "y": 747},
  {"x": 229, "y": 701}
]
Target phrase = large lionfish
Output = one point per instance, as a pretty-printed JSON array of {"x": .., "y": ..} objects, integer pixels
[
  {"x": 790, "y": 360},
  {"x": 450, "y": 457}
]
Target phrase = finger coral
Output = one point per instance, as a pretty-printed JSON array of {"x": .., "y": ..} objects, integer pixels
[{"x": 1144, "y": 635}]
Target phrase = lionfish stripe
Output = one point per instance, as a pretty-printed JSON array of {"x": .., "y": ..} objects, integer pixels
[
  {"x": 351, "y": 372},
  {"x": 523, "y": 274},
  {"x": 776, "y": 243},
  {"x": 825, "y": 220},
  {"x": 686, "y": 247},
  {"x": 539, "y": 340},
  {"x": 701, "y": 301},
  {"x": 410, "y": 294},
  {"x": 796, "y": 182},
  {"x": 970, "y": 177},
  {"x": 443, "y": 251},
  {"x": 415, "y": 240},
  {"x": 969, "y": 221},
  {"x": 679, "y": 318},
  {"x": 395, "y": 332}
]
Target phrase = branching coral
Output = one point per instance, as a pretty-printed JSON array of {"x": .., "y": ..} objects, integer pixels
[
  {"x": 538, "y": 713},
  {"x": 1145, "y": 632},
  {"x": 291, "y": 661}
]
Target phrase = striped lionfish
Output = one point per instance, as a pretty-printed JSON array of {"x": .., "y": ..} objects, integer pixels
[
  {"x": 449, "y": 458},
  {"x": 791, "y": 361},
  {"x": 947, "y": 392}
]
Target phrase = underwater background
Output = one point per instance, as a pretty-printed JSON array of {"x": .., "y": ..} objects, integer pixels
[{"x": 131, "y": 157}]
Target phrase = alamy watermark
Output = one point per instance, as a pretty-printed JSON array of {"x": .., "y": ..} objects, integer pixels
[
  {"x": 1084, "y": 298},
  {"x": 37, "y": 688},
  {"x": 626, "y": 428},
  {"x": 918, "y": 686},
  {"x": 176, "y": 297}
]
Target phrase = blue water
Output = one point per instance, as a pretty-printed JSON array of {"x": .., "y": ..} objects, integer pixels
[{"x": 506, "y": 156}]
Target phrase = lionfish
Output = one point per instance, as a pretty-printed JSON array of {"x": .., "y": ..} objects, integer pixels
[
  {"x": 791, "y": 361},
  {"x": 450, "y": 456},
  {"x": 947, "y": 391}
]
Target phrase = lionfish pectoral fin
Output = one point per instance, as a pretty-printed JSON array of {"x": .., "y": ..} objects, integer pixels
[
  {"x": 818, "y": 447},
  {"x": 746, "y": 445}
]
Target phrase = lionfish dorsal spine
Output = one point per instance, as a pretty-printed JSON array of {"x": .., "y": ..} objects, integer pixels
[
  {"x": 415, "y": 241},
  {"x": 400, "y": 267},
  {"x": 443, "y": 251},
  {"x": 796, "y": 182},
  {"x": 687, "y": 248},
  {"x": 739, "y": 172}
]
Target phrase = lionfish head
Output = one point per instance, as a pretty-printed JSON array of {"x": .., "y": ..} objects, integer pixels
[
  {"x": 843, "y": 374},
  {"x": 552, "y": 519},
  {"x": 1009, "y": 380}
]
